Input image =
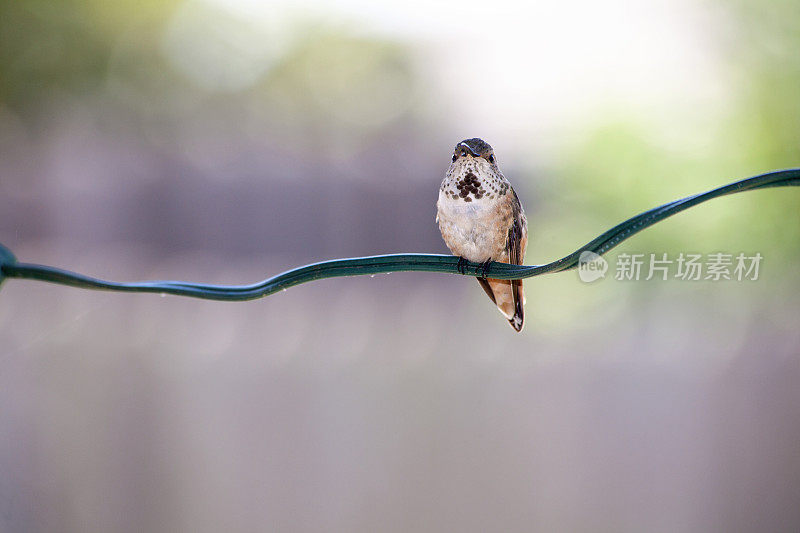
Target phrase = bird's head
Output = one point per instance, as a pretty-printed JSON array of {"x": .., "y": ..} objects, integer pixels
[{"x": 471, "y": 149}]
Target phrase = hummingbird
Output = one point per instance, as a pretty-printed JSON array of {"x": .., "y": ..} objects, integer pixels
[{"x": 482, "y": 220}]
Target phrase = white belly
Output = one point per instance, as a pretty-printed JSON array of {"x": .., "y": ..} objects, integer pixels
[{"x": 471, "y": 229}]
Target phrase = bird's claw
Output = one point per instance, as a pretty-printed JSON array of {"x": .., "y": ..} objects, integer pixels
[
  {"x": 485, "y": 267},
  {"x": 462, "y": 265}
]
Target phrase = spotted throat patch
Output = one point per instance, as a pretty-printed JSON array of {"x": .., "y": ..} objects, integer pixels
[{"x": 470, "y": 185}]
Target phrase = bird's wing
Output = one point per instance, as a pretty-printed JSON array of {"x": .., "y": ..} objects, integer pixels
[{"x": 517, "y": 243}]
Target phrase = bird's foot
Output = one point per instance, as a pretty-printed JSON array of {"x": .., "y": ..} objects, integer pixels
[
  {"x": 462, "y": 265},
  {"x": 485, "y": 267}
]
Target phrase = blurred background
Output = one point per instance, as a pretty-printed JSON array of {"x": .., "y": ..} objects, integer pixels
[{"x": 226, "y": 141}]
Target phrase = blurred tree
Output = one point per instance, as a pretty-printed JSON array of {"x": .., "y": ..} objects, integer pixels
[
  {"x": 623, "y": 161},
  {"x": 48, "y": 48}
]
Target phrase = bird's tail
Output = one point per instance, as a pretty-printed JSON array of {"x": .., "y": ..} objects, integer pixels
[
  {"x": 518, "y": 320},
  {"x": 508, "y": 297}
]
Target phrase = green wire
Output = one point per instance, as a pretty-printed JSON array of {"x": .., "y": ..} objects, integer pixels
[{"x": 379, "y": 264}]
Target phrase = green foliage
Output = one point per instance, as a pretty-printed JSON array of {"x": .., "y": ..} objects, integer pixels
[{"x": 49, "y": 47}]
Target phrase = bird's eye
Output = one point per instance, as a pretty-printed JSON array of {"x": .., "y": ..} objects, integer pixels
[
  {"x": 455, "y": 157},
  {"x": 491, "y": 159}
]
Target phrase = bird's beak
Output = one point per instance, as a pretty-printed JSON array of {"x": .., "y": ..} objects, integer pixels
[{"x": 467, "y": 148}]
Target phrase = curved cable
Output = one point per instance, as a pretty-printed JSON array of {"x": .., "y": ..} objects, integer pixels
[{"x": 380, "y": 264}]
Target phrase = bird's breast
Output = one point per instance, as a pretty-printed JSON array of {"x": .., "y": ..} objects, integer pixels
[
  {"x": 468, "y": 212},
  {"x": 475, "y": 230}
]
